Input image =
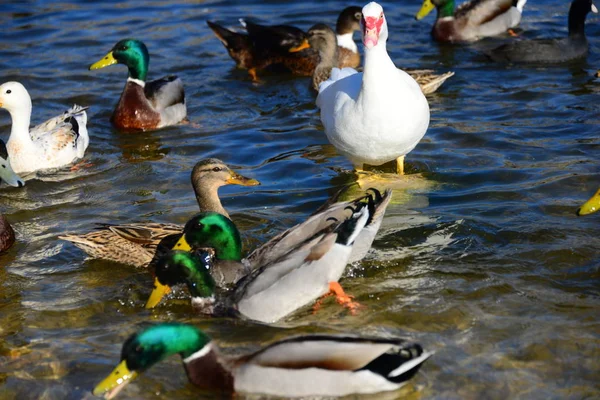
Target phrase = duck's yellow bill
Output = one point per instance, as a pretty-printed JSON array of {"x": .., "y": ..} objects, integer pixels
[
  {"x": 300, "y": 47},
  {"x": 182, "y": 244},
  {"x": 590, "y": 206},
  {"x": 237, "y": 179},
  {"x": 104, "y": 62},
  {"x": 114, "y": 382},
  {"x": 426, "y": 8},
  {"x": 157, "y": 294}
]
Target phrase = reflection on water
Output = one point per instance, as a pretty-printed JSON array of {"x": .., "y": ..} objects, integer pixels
[{"x": 480, "y": 257}]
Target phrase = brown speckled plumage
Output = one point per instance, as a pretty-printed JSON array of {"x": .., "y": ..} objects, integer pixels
[{"x": 7, "y": 234}]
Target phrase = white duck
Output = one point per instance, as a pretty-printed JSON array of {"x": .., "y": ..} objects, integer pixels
[
  {"x": 55, "y": 143},
  {"x": 380, "y": 114}
]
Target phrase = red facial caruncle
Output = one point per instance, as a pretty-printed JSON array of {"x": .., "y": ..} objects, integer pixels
[{"x": 371, "y": 29}]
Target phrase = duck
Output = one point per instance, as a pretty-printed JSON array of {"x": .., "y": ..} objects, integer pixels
[
  {"x": 53, "y": 144},
  {"x": 377, "y": 115},
  {"x": 317, "y": 365},
  {"x": 292, "y": 270},
  {"x": 551, "y": 51},
  {"x": 7, "y": 234},
  {"x": 136, "y": 244},
  {"x": 473, "y": 20},
  {"x": 286, "y": 45},
  {"x": 143, "y": 105},
  {"x": 590, "y": 206},
  {"x": 323, "y": 39}
]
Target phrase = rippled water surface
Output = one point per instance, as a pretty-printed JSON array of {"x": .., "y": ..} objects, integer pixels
[{"x": 481, "y": 258}]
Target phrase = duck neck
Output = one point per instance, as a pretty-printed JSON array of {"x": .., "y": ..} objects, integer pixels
[
  {"x": 207, "y": 370},
  {"x": 346, "y": 41},
  {"x": 577, "y": 22},
  {"x": 21, "y": 119},
  {"x": 208, "y": 198},
  {"x": 378, "y": 65},
  {"x": 446, "y": 9}
]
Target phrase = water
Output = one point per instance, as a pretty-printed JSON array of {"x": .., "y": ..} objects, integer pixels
[{"x": 483, "y": 261}]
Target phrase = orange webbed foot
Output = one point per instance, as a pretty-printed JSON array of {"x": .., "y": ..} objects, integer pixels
[
  {"x": 512, "y": 33},
  {"x": 344, "y": 299}
]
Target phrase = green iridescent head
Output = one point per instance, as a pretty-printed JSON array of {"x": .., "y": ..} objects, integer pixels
[
  {"x": 177, "y": 267},
  {"x": 213, "y": 230},
  {"x": 130, "y": 52},
  {"x": 146, "y": 348}
]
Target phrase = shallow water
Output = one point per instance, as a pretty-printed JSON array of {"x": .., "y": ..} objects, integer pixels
[{"x": 482, "y": 260}]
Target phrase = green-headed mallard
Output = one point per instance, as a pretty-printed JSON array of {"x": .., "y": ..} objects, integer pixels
[
  {"x": 590, "y": 206},
  {"x": 286, "y": 45},
  {"x": 52, "y": 144},
  {"x": 136, "y": 244},
  {"x": 143, "y": 105},
  {"x": 299, "y": 366},
  {"x": 322, "y": 39},
  {"x": 7, "y": 235},
  {"x": 290, "y": 271},
  {"x": 473, "y": 20}
]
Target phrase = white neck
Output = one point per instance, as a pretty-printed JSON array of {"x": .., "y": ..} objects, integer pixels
[
  {"x": 199, "y": 354},
  {"x": 346, "y": 41},
  {"x": 378, "y": 66},
  {"x": 137, "y": 81},
  {"x": 21, "y": 119}
]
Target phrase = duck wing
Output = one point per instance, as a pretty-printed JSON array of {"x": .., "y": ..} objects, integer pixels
[
  {"x": 335, "y": 365},
  {"x": 63, "y": 134},
  {"x": 165, "y": 92},
  {"x": 479, "y": 12},
  {"x": 275, "y": 38}
]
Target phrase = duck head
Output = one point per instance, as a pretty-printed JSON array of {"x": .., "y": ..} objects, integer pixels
[
  {"x": 15, "y": 98},
  {"x": 149, "y": 346},
  {"x": 322, "y": 38},
  {"x": 373, "y": 25},
  {"x": 214, "y": 173},
  {"x": 6, "y": 172},
  {"x": 349, "y": 20},
  {"x": 130, "y": 52},
  {"x": 182, "y": 267},
  {"x": 212, "y": 230}
]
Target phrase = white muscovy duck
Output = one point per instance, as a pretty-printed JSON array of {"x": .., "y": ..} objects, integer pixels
[
  {"x": 55, "y": 143},
  {"x": 377, "y": 115}
]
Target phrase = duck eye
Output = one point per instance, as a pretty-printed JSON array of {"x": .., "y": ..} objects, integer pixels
[
  {"x": 139, "y": 349},
  {"x": 357, "y": 15},
  {"x": 217, "y": 169},
  {"x": 8, "y": 91},
  {"x": 122, "y": 48},
  {"x": 381, "y": 16}
]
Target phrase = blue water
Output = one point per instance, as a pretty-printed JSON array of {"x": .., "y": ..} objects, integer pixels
[{"x": 481, "y": 259}]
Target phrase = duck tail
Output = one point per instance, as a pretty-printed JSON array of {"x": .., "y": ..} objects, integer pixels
[
  {"x": 231, "y": 40},
  {"x": 400, "y": 363}
]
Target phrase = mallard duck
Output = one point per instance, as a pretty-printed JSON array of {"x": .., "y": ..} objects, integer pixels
[
  {"x": 286, "y": 45},
  {"x": 473, "y": 20},
  {"x": 143, "y": 105},
  {"x": 573, "y": 47},
  {"x": 322, "y": 38},
  {"x": 378, "y": 115},
  {"x": 136, "y": 244},
  {"x": 298, "y": 366},
  {"x": 590, "y": 206},
  {"x": 290, "y": 271},
  {"x": 55, "y": 143}
]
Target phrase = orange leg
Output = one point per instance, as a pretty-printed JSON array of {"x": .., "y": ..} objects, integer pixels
[
  {"x": 513, "y": 33},
  {"x": 252, "y": 73},
  {"x": 80, "y": 165},
  {"x": 340, "y": 296}
]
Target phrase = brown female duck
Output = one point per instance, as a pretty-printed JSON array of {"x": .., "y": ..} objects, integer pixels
[
  {"x": 135, "y": 244},
  {"x": 143, "y": 105},
  {"x": 287, "y": 46}
]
